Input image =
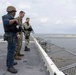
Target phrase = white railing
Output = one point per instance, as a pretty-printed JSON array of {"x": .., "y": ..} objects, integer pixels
[{"x": 51, "y": 67}]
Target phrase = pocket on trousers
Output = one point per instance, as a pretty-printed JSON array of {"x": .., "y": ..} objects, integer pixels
[{"x": 6, "y": 37}]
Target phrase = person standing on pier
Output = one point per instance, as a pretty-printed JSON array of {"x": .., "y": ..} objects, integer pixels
[
  {"x": 10, "y": 28},
  {"x": 19, "y": 40},
  {"x": 28, "y": 29}
]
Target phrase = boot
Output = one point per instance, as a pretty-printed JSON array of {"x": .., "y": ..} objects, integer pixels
[
  {"x": 19, "y": 54},
  {"x": 12, "y": 70},
  {"x": 15, "y": 63},
  {"x": 16, "y": 57},
  {"x": 27, "y": 49}
]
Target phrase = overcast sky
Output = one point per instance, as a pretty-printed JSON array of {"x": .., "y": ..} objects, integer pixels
[{"x": 47, "y": 16}]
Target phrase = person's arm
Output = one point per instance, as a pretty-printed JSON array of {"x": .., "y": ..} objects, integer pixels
[
  {"x": 12, "y": 21},
  {"x": 7, "y": 21},
  {"x": 25, "y": 26}
]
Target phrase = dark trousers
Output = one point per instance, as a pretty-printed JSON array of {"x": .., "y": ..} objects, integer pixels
[{"x": 10, "y": 50}]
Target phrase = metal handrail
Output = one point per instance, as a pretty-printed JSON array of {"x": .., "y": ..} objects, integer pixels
[{"x": 51, "y": 67}]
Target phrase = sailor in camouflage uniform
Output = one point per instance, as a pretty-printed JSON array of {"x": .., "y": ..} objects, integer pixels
[
  {"x": 19, "y": 40},
  {"x": 28, "y": 30}
]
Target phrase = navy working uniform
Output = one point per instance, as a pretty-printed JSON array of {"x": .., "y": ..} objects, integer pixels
[{"x": 10, "y": 37}]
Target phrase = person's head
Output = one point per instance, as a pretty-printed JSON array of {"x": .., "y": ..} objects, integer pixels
[
  {"x": 21, "y": 14},
  {"x": 11, "y": 10},
  {"x": 27, "y": 19}
]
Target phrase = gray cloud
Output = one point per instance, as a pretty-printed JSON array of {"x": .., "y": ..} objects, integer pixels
[{"x": 47, "y": 16}]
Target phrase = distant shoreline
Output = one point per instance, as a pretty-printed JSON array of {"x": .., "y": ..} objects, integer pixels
[{"x": 52, "y": 35}]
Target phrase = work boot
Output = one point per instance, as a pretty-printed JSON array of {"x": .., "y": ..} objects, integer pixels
[
  {"x": 15, "y": 63},
  {"x": 27, "y": 49},
  {"x": 17, "y": 58},
  {"x": 12, "y": 70},
  {"x": 19, "y": 54}
]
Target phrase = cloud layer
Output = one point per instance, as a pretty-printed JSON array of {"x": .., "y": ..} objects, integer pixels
[{"x": 47, "y": 16}]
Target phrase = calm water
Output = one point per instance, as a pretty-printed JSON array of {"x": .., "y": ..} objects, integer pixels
[{"x": 66, "y": 41}]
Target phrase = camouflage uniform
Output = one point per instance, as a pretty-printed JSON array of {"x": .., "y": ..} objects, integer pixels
[
  {"x": 19, "y": 40},
  {"x": 27, "y": 34}
]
